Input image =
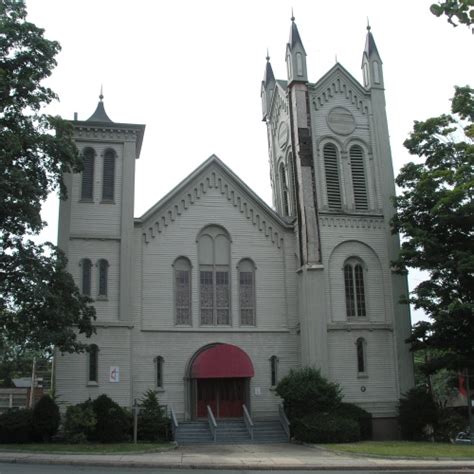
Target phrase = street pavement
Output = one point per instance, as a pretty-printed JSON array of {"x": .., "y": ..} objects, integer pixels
[{"x": 286, "y": 456}]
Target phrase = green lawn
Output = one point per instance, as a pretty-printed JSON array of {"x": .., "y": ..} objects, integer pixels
[
  {"x": 89, "y": 448},
  {"x": 409, "y": 449}
]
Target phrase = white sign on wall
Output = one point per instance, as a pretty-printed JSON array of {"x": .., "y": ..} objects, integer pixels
[
  {"x": 258, "y": 391},
  {"x": 114, "y": 374}
]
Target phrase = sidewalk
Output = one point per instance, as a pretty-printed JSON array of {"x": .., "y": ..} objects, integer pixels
[{"x": 247, "y": 456}]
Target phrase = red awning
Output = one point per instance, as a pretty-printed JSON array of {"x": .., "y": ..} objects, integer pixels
[{"x": 222, "y": 361}]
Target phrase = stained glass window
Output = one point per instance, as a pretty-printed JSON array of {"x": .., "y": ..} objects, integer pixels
[
  {"x": 247, "y": 292},
  {"x": 354, "y": 289},
  {"x": 182, "y": 274}
]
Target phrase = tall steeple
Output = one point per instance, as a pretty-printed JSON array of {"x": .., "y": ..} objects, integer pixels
[
  {"x": 295, "y": 55},
  {"x": 371, "y": 63},
  {"x": 268, "y": 86}
]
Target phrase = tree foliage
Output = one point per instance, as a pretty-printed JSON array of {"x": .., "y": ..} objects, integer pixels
[
  {"x": 435, "y": 213},
  {"x": 457, "y": 11},
  {"x": 39, "y": 302}
]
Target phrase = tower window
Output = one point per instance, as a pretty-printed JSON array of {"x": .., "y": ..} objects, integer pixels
[
  {"x": 358, "y": 178},
  {"x": 214, "y": 281},
  {"x": 273, "y": 370},
  {"x": 103, "y": 277},
  {"x": 159, "y": 371},
  {"x": 87, "y": 185},
  {"x": 93, "y": 365},
  {"x": 354, "y": 289},
  {"x": 182, "y": 276},
  {"x": 361, "y": 351},
  {"x": 284, "y": 191},
  {"x": 86, "y": 274},
  {"x": 108, "y": 178},
  {"x": 331, "y": 168},
  {"x": 246, "y": 270},
  {"x": 299, "y": 64}
]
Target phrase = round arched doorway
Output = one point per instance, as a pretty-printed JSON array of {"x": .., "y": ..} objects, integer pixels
[{"x": 220, "y": 377}]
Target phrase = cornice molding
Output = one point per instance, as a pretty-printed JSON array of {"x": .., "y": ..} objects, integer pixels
[{"x": 354, "y": 222}]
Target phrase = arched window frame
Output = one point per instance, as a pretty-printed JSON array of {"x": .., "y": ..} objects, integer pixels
[
  {"x": 274, "y": 371},
  {"x": 361, "y": 357},
  {"x": 214, "y": 278},
  {"x": 93, "y": 365},
  {"x": 285, "y": 202},
  {"x": 87, "y": 178},
  {"x": 182, "y": 281},
  {"x": 159, "y": 375},
  {"x": 247, "y": 295},
  {"x": 332, "y": 173},
  {"x": 358, "y": 165},
  {"x": 292, "y": 183},
  {"x": 354, "y": 271},
  {"x": 86, "y": 276},
  {"x": 103, "y": 278},
  {"x": 299, "y": 64},
  {"x": 108, "y": 175}
]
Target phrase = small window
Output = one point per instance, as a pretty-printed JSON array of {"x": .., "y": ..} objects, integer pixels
[
  {"x": 103, "y": 277},
  {"x": 159, "y": 371},
  {"x": 108, "y": 178},
  {"x": 299, "y": 64},
  {"x": 87, "y": 185},
  {"x": 331, "y": 169},
  {"x": 86, "y": 270},
  {"x": 376, "y": 72},
  {"x": 246, "y": 271},
  {"x": 361, "y": 356},
  {"x": 182, "y": 288},
  {"x": 274, "y": 370},
  {"x": 354, "y": 289},
  {"x": 358, "y": 178},
  {"x": 284, "y": 191},
  {"x": 93, "y": 375}
]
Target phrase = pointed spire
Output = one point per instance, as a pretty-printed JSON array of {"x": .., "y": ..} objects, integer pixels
[
  {"x": 268, "y": 76},
  {"x": 295, "y": 37},
  {"x": 100, "y": 115},
  {"x": 370, "y": 47}
]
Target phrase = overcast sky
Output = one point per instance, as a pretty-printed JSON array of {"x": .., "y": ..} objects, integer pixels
[{"x": 191, "y": 71}]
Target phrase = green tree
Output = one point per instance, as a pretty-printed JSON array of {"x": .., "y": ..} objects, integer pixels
[
  {"x": 435, "y": 213},
  {"x": 457, "y": 11},
  {"x": 39, "y": 302}
]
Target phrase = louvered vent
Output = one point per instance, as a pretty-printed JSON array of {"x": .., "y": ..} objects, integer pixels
[
  {"x": 87, "y": 187},
  {"x": 108, "y": 182},
  {"x": 332, "y": 176},
  {"x": 358, "y": 178}
]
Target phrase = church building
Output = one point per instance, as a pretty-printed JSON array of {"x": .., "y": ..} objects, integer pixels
[{"x": 212, "y": 296}]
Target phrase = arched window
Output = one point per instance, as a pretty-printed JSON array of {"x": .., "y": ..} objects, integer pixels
[
  {"x": 246, "y": 271},
  {"x": 87, "y": 185},
  {"x": 214, "y": 278},
  {"x": 299, "y": 64},
  {"x": 273, "y": 370},
  {"x": 86, "y": 276},
  {"x": 108, "y": 177},
  {"x": 93, "y": 364},
  {"x": 103, "y": 277},
  {"x": 331, "y": 169},
  {"x": 358, "y": 178},
  {"x": 354, "y": 287},
  {"x": 159, "y": 371},
  {"x": 361, "y": 350},
  {"x": 376, "y": 72},
  {"x": 182, "y": 290},
  {"x": 284, "y": 191},
  {"x": 292, "y": 183}
]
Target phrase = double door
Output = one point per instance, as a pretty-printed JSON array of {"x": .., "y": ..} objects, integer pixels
[{"x": 224, "y": 396}]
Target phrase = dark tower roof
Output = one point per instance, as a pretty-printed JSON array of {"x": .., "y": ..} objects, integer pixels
[
  {"x": 268, "y": 76},
  {"x": 295, "y": 37},
  {"x": 99, "y": 115},
  {"x": 370, "y": 47}
]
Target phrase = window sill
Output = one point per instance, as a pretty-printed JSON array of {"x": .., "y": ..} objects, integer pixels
[
  {"x": 90, "y": 201},
  {"x": 160, "y": 389},
  {"x": 362, "y": 375},
  {"x": 272, "y": 388},
  {"x": 92, "y": 384},
  {"x": 107, "y": 201},
  {"x": 102, "y": 298}
]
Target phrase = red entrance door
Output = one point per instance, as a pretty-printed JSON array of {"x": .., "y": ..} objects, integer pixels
[{"x": 224, "y": 396}]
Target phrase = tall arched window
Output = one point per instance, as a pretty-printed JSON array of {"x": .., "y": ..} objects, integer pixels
[
  {"x": 86, "y": 276},
  {"x": 331, "y": 169},
  {"x": 361, "y": 351},
  {"x": 246, "y": 271},
  {"x": 214, "y": 277},
  {"x": 273, "y": 370},
  {"x": 182, "y": 289},
  {"x": 93, "y": 363},
  {"x": 284, "y": 191},
  {"x": 87, "y": 185},
  {"x": 108, "y": 177},
  {"x": 299, "y": 64},
  {"x": 159, "y": 371},
  {"x": 359, "y": 184},
  {"x": 103, "y": 277},
  {"x": 354, "y": 288},
  {"x": 292, "y": 183}
]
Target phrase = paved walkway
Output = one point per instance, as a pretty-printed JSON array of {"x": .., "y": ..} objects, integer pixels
[{"x": 245, "y": 456}]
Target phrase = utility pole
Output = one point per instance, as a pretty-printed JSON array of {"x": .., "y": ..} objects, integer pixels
[{"x": 33, "y": 377}]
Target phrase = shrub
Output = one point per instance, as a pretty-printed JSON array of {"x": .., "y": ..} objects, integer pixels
[
  {"x": 363, "y": 418},
  {"x": 417, "y": 411},
  {"x": 306, "y": 391},
  {"x": 79, "y": 423},
  {"x": 16, "y": 426},
  {"x": 449, "y": 424},
  {"x": 152, "y": 424},
  {"x": 46, "y": 418},
  {"x": 113, "y": 422},
  {"x": 326, "y": 428}
]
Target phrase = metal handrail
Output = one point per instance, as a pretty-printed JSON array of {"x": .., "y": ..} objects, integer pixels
[
  {"x": 212, "y": 423},
  {"x": 248, "y": 421},
  {"x": 285, "y": 423},
  {"x": 174, "y": 421}
]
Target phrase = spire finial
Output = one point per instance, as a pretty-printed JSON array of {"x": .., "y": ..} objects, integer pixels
[
  {"x": 292, "y": 15},
  {"x": 101, "y": 96},
  {"x": 335, "y": 57},
  {"x": 268, "y": 56},
  {"x": 368, "y": 24}
]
